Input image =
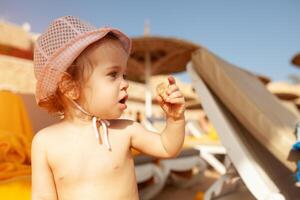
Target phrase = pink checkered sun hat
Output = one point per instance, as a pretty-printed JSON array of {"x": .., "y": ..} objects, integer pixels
[{"x": 58, "y": 47}]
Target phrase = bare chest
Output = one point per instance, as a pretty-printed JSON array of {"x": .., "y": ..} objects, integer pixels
[{"x": 80, "y": 159}]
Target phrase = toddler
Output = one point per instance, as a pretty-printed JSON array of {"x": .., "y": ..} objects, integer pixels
[{"x": 81, "y": 74}]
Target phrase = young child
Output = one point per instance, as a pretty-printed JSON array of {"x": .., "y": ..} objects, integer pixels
[{"x": 80, "y": 73}]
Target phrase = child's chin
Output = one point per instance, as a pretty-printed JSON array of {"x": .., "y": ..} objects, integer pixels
[
  {"x": 114, "y": 115},
  {"x": 120, "y": 114}
]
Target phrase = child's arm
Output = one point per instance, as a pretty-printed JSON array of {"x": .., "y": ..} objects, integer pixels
[
  {"x": 43, "y": 186},
  {"x": 170, "y": 141}
]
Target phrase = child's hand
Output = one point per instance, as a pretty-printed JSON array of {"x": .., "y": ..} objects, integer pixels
[{"x": 171, "y": 99}]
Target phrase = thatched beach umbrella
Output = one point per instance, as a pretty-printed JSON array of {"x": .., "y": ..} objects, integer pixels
[
  {"x": 16, "y": 53},
  {"x": 16, "y": 41},
  {"x": 167, "y": 55},
  {"x": 16, "y": 74},
  {"x": 264, "y": 79},
  {"x": 296, "y": 60},
  {"x": 157, "y": 55},
  {"x": 297, "y": 103},
  {"x": 286, "y": 96},
  {"x": 284, "y": 91}
]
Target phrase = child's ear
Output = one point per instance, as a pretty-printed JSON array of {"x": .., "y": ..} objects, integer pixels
[{"x": 69, "y": 87}]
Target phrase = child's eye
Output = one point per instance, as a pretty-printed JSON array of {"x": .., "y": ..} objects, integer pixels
[{"x": 113, "y": 74}]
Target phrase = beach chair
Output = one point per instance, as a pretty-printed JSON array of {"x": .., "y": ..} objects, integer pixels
[
  {"x": 186, "y": 169},
  {"x": 208, "y": 149},
  {"x": 181, "y": 171},
  {"x": 150, "y": 176},
  {"x": 254, "y": 127},
  {"x": 152, "y": 173}
]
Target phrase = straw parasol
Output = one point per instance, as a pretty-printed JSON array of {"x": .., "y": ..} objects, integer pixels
[
  {"x": 16, "y": 53},
  {"x": 15, "y": 36},
  {"x": 167, "y": 55},
  {"x": 296, "y": 60},
  {"x": 264, "y": 79},
  {"x": 17, "y": 75},
  {"x": 156, "y": 55},
  {"x": 284, "y": 91},
  {"x": 297, "y": 103},
  {"x": 16, "y": 41}
]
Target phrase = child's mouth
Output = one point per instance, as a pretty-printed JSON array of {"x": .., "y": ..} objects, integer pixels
[{"x": 123, "y": 101}]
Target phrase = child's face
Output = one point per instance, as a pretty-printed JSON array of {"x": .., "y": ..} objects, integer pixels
[{"x": 106, "y": 85}]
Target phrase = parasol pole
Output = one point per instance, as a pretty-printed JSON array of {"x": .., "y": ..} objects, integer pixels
[{"x": 148, "y": 95}]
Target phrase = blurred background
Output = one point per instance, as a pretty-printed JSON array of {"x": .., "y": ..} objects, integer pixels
[{"x": 260, "y": 39}]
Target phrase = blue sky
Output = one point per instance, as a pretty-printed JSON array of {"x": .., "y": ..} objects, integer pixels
[{"x": 261, "y": 36}]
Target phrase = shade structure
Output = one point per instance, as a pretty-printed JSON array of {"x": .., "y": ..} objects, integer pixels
[
  {"x": 284, "y": 91},
  {"x": 157, "y": 55},
  {"x": 16, "y": 74},
  {"x": 286, "y": 96},
  {"x": 167, "y": 55},
  {"x": 297, "y": 103},
  {"x": 264, "y": 79},
  {"x": 296, "y": 60},
  {"x": 12, "y": 35}
]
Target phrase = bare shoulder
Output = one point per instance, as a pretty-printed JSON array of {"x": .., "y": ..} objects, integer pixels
[{"x": 43, "y": 137}]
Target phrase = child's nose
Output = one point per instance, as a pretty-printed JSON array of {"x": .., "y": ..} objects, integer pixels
[{"x": 125, "y": 84}]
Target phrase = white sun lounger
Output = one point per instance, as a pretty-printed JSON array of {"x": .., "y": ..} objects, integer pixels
[
  {"x": 265, "y": 168},
  {"x": 145, "y": 169},
  {"x": 262, "y": 114},
  {"x": 188, "y": 159}
]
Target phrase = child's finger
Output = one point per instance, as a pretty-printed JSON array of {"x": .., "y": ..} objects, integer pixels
[
  {"x": 171, "y": 80},
  {"x": 177, "y": 100},
  {"x": 172, "y": 88},
  {"x": 176, "y": 94},
  {"x": 161, "y": 89},
  {"x": 162, "y": 103},
  {"x": 159, "y": 99}
]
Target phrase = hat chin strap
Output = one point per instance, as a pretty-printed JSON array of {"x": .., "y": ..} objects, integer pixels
[{"x": 104, "y": 124}]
